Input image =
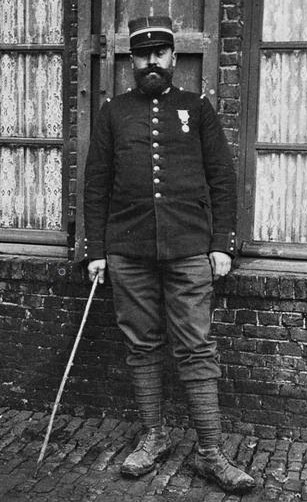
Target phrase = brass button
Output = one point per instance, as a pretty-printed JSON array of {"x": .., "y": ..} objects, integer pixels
[
  {"x": 155, "y": 133},
  {"x": 155, "y": 145},
  {"x": 156, "y": 156},
  {"x": 155, "y": 120},
  {"x": 155, "y": 101},
  {"x": 155, "y": 109},
  {"x": 156, "y": 180},
  {"x": 158, "y": 195},
  {"x": 156, "y": 169}
]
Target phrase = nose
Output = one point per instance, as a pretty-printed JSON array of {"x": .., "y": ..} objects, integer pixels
[{"x": 152, "y": 58}]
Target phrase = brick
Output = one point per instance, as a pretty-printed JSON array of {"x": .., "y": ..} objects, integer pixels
[
  {"x": 239, "y": 372},
  {"x": 252, "y": 303},
  {"x": 222, "y": 329},
  {"x": 251, "y": 286},
  {"x": 289, "y": 349},
  {"x": 292, "y": 320},
  {"x": 231, "y": 75},
  {"x": 288, "y": 390},
  {"x": 266, "y": 347},
  {"x": 269, "y": 318},
  {"x": 12, "y": 310},
  {"x": 273, "y": 403},
  {"x": 254, "y": 387},
  {"x": 297, "y": 406},
  {"x": 250, "y": 402},
  {"x": 232, "y": 13},
  {"x": 286, "y": 288},
  {"x": 290, "y": 306},
  {"x": 245, "y": 345},
  {"x": 272, "y": 418},
  {"x": 230, "y": 59},
  {"x": 230, "y": 29},
  {"x": 231, "y": 44},
  {"x": 283, "y": 375},
  {"x": 246, "y": 317},
  {"x": 298, "y": 335},
  {"x": 300, "y": 289},
  {"x": 224, "y": 315},
  {"x": 272, "y": 287},
  {"x": 227, "y": 91},
  {"x": 231, "y": 106},
  {"x": 267, "y": 332},
  {"x": 265, "y": 374}
]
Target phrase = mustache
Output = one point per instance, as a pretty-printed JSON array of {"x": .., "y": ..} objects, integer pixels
[{"x": 146, "y": 71}]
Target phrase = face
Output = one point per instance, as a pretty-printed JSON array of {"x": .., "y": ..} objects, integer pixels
[{"x": 153, "y": 68}]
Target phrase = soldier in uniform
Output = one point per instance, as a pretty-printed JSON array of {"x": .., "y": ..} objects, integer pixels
[{"x": 160, "y": 211}]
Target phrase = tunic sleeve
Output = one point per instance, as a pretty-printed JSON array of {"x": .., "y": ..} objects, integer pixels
[
  {"x": 98, "y": 184},
  {"x": 221, "y": 179}
]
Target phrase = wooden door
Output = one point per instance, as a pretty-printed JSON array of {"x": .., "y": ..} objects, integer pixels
[{"x": 104, "y": 65}]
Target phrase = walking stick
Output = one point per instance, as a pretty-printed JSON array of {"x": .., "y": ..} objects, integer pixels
[{"x": 67, "y": 370}]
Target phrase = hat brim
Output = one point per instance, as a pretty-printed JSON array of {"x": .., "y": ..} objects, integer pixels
[{"x": 156, "y": 43}]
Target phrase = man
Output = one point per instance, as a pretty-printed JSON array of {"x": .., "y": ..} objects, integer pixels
[{"x": 160, "y": 206}]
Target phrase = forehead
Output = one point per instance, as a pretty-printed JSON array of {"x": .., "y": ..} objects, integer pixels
[{"x": 157, "y": 49}]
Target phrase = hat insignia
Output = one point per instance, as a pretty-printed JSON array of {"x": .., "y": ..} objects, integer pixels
[
  {"x": 184, "y": 118},
  {"x": 149, "y": 35}
]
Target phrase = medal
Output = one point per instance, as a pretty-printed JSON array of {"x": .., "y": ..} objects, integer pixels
[{"x": 184, "y": 118}]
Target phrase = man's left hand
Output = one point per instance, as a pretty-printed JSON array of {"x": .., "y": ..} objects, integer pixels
[{"x": 220, "y": 263}]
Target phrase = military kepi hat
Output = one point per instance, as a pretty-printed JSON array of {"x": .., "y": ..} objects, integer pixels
[{"x": 150, "y": 31}]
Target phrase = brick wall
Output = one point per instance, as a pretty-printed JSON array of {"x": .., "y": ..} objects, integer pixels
[{"x": 259, "y": 320}]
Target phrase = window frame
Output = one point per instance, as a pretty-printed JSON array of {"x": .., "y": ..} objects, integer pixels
[
  {"x": 44, "y": 242},
  {"x": 252, "y": 48}
]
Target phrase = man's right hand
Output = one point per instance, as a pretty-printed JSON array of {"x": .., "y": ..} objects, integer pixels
[{"x": 97, "y": 267}]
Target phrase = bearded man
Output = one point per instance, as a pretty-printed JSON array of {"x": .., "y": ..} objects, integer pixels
[{"x": 160, "y": 212}]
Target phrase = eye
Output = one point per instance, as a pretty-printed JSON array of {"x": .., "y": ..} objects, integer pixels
[{"x": 160, "y": 53}]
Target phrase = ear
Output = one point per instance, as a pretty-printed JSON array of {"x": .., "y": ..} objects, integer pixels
[
  {"x": 132, "y": 61},
  {"x": 174, "y": 59}
]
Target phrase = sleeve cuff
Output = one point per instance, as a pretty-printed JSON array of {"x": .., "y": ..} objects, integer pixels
[
  {"x": 225, "y": 243},
  {"x": 94, "y": 250}
]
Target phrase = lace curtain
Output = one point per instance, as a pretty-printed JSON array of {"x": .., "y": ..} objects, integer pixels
[
  {"x": 31, "y": 106},
  {"x": 281, "y": 178}
]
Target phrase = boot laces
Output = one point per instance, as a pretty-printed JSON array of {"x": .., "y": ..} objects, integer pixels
[
  {"x": 149, "y": 440},
  {"x": 224, "y": 460}
]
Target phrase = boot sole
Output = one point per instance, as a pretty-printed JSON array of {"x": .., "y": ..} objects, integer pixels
[{"x": 129, "y": 472}]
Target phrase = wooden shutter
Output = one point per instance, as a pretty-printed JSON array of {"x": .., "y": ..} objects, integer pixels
[
  {"x": 104, "y": 65},
  {"x": 33, "y": 127}
]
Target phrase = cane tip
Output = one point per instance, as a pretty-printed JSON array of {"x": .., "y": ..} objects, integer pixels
[{"x": 36, "y": 470}]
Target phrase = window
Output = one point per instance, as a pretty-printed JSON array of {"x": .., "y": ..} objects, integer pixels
[
  {"x": 33, "y": 127},
  {"x": 273, "y": 179}
]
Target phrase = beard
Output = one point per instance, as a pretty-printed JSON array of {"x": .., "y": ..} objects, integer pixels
[{"x": 153, "y": 84}]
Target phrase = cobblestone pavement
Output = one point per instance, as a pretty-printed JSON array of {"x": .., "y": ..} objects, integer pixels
[{"x": 82, "y": 464}]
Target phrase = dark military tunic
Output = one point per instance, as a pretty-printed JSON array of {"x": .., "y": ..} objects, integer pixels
[{"x": 159, "y": 179}]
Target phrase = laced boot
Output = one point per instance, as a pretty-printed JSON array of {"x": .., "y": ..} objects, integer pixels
[
  {"x": 212, "y": 464},
  {"x": 155, "y": 443},
  {"x": 153, "y": 446}
]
